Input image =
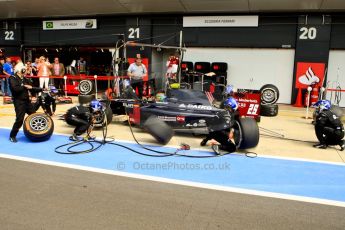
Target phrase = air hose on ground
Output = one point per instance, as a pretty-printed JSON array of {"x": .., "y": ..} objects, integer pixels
[{"x": 96, "y": 144}]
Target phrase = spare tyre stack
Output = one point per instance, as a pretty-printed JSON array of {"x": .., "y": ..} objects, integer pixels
[
  {"x": 269, "y": 98},
  {"x": 86, "y": 92}
]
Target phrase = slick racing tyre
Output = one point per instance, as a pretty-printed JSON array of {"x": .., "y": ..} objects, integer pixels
[
  {"x": 99, "y": 119},
  {"x": 269, "y": 110},
  {"x": 269, "y": 94},
  {"x": 85, "y": 99},
  {"x": 38, "y": 127},
  {"x": 246, "y": 133},
  {"x": 161, "y": 131},
  {"x": 85, "y": 87}
]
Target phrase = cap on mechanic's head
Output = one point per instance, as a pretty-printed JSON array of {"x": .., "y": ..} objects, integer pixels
[
  {"x": 323, "y": 105},
  {"x": 96, "y": 105},
  {"x": 53, "y": 89},
  {"x": 21, "y": 70},
  {"x": 231, "y": 103}
]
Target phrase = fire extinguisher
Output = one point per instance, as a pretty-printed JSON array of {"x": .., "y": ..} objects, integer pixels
[
  {"x": 145, "y": 89},
  {"x": 306, "y": 99},
  {"x": 314, "y": 96},
  {"x": 149, "y": 90}
]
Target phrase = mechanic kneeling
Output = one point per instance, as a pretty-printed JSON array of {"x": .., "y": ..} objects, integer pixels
[
  {"x": 82, "y": 118},
  {"x": 20, "y": 87},
  {"x": 47, "y": 101},
  {"x": 328, "y": 127},
  {"x": 224, "y": 137}
]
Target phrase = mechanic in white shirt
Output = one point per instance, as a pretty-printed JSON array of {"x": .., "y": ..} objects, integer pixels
[{"x": 136, "y": 71}]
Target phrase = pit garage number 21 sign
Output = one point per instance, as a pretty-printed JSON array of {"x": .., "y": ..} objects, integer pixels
[{"x": 309, "y": 73}]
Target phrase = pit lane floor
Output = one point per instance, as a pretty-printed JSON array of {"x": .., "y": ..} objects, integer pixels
[
  {"x": 290, "y": 122},
  {"x": 308, "y": 216}
]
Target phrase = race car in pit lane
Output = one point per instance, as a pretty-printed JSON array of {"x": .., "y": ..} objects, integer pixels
[{"x": 189, "y": 111}]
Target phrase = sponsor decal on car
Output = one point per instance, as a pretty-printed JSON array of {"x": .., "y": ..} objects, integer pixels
[
  {"x": 180, "y": 119},
  {"x": 190, "y": 106},
  {"x": 192, "y": 125},
  {"x": 166, "y": 118},
  {"x": 127, "y": 105},
  {"x": 248, "y": 100}
]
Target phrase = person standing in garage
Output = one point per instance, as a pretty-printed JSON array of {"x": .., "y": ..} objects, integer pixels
[
  {"x": 8, "y": 71},
  {"x": 58, "y": 70},
  {"x": 20, "y": 87},
  {"x": 43, "y": 72},
  {"x": 328, "y": 127},
  {"x": 2, "y": 62},
  {"x": 136, "y": 71}
]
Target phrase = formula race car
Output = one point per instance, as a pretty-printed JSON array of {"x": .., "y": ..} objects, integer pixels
[{"x": 186, "y": 110}]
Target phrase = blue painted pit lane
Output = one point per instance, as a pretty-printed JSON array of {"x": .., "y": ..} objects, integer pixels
[{"x": 291, "y": 177}]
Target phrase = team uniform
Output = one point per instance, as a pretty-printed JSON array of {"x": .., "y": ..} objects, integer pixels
[
  {"x": 82, "y": 117},
  {"x": 329, "y": 129},
  {"x": 172, "y": 66},
  {"x": 21, "y": 101},
  {"x": 223, "y": 136},
  {"x": 47, "y": 101}
]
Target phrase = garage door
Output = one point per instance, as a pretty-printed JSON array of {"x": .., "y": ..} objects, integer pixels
[
  {"x": 336, "y": 74},
  {"x": 252, "y": 68}
]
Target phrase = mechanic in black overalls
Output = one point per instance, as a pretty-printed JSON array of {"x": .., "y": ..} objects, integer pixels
[
  {"x": 47, "y": 101},
  {"x": 222, "y": 137},
  {"x": 328, "y": 127},
  {"x": 82, "y": 118},
  {"x": 20, "y": 87}
]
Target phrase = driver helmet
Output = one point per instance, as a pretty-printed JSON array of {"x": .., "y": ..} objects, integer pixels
[
  {"x": 126, "y": 83},
  {"x": 160, "y": 97},
  {"x": 96, "y": 105},
  {"x": 323, "y": 105},
  {"x": 231, "y": 103}
]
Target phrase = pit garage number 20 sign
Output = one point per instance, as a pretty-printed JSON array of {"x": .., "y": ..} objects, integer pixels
[{"x": 309, "y": 73}]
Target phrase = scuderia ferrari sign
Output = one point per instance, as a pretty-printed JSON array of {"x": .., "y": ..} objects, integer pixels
[{"x": 70, "y": 24}]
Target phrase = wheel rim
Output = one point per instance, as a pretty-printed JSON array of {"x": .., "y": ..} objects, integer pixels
[
  {"x": 99, "y": 118},
  {"x": 39, "y": 123},
  {"x": 268, "y": 96},
  {"x": 85, "y": 87},
  {"x": 237, "y": 134}
]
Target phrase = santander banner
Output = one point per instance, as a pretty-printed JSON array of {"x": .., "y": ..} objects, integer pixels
[{"x": 308, "y": 74}]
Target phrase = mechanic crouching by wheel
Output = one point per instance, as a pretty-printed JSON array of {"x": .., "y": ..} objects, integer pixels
[
  {"x": 328, "y": 127},
  {"x": 222, "y": 137},
  {"x": 20, "y": 87},
  {"x": 82, "y": 118},
  {"x": 47, "y": 101}
]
